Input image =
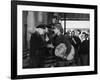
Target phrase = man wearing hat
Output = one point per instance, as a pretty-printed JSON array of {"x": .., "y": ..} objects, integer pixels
[{"x": 37, "y": 47}]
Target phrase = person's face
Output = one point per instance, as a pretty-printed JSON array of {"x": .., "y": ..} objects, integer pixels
[
  {"x": 69, "y": 33},
  {"x": 46, "y": 30},
  {"x": 54, "y": 20},
  {"x": 83, "y": 36},
  {"x": 72, "y": 33},
  {"x": 41, "y": 31},
  {"x": 56, "y": 31},
  {"x": 77, "y": 33}
]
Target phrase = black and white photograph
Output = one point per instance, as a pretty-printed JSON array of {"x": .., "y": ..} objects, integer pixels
[{"x": 52, "y": 39}]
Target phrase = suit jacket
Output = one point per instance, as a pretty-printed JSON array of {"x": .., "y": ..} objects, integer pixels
[
  {"x": 75, "y": 42},
  {"x": 36, "y": 41},
  {"x": 84, "y": 47}
]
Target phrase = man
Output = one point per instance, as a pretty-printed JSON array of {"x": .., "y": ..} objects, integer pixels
[
  {"x": 63, "y": 48},
  {"x": 38, "y": 47},
  {"x": 75, "y": 41},
  {"x": 84, "y": 49},
  {"x": 75, "y": 38}
]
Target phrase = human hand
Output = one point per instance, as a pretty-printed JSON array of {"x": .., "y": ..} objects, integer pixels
[{"x": 50, "y": 46}]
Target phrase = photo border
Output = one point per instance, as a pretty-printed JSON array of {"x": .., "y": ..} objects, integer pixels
[{"x": 14, "y": 38}]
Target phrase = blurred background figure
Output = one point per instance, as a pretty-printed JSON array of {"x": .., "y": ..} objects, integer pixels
[
  {"x": 84, "y": 49},
  {"x": 75, "y": 41}
]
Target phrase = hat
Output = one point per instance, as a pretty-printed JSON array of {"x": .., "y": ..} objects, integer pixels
[{"x": 43, "y": 26}]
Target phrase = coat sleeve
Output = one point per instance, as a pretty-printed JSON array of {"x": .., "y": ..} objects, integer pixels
[{"x": 68, "y": 45}]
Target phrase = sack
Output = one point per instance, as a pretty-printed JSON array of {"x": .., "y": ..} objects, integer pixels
[
  {"x": 70, "y": 56},
  {"x": 61, "y": 49}
]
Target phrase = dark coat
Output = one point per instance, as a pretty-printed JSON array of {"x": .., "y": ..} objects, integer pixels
[
  {"x": 84, "y": 47},
  {"x": 84, "y": 52},
  {"x": 37, "y": 41},
  {"x": 62, "y": 39},
  {"x": 77, "y": 40},
  {"x": 37, "y": 50}
]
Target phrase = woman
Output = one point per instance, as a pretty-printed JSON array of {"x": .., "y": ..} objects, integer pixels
[{"x": 64, "y": 51}]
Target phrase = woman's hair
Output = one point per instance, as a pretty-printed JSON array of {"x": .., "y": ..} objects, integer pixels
[{"x": 59, "y": 26}]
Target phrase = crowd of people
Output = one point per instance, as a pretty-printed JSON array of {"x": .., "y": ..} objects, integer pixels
[{"x": 63, "y": 49}]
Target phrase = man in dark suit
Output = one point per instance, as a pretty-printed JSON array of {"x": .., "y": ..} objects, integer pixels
[
  {"x": 38, "y": 47},
  {"x": 84, "y": 49},
  {"x": 75, "y": 41}
]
